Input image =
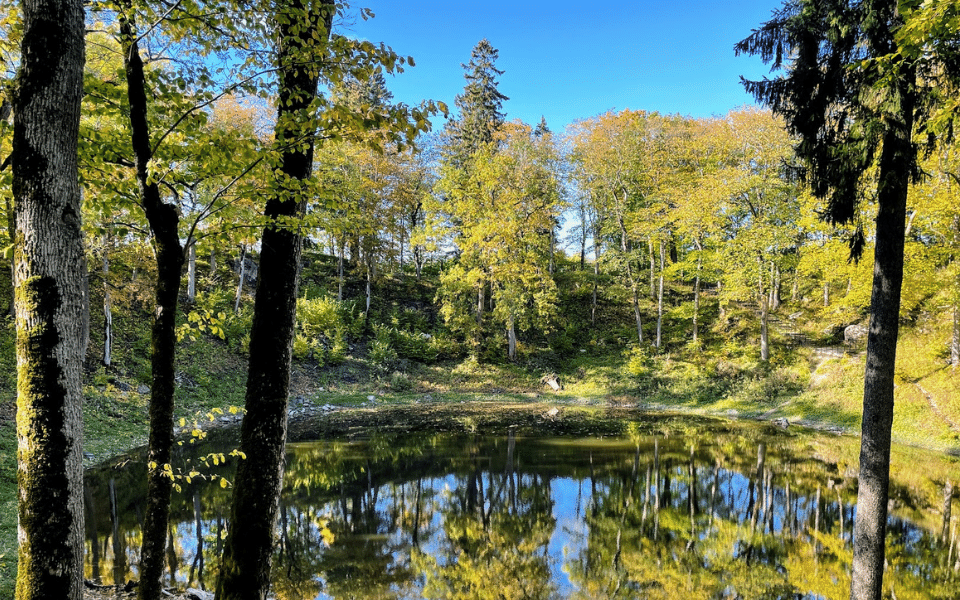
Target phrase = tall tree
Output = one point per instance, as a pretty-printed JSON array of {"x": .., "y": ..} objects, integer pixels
[
  {"x": 480, "y": 104},
  {"x": 854, "y": 101},
  {"x": 305, "y": 51},
  {"x": 303, "y": 30},
  {"x": 470, "y": 140},
  {"x": 49, "y": 268}
]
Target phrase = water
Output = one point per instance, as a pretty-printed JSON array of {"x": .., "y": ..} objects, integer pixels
[{"x": 664, "y": 509}]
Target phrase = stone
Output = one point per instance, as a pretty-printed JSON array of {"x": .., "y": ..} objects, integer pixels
[{"x": 854, "y": 334}]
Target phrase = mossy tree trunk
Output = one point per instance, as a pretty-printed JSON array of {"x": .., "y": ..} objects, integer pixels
[
  {"x": 164, "y": 225},
  {"x": 50, "y": 285},
  {"x": 245, "y": 567}
]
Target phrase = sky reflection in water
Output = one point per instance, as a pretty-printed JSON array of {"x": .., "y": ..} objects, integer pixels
[{"x": 661, "y": 511}]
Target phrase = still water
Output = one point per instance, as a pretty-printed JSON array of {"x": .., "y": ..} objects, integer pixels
[{"x": 642, "y": 507}]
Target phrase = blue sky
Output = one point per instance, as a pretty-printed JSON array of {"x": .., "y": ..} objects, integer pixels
[{"x": 568, "y": 60}]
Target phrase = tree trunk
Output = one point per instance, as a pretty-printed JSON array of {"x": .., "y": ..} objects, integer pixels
[
  {"x": 245, "y": 570},
  {"x": 764, "y": 315},
  {"x": 370, "y": 267},
  {"x": 480, "y": 291},
  {"x": 774, "y": 287},
  {"x": 653, "y": 270},
  {"x": 893, "y": 183},
  {"x": 511, "y": 340},
  {"x": 764, "y": 328},
  {"x": 49, "y": 289},
  {"x": 634, "y": 286},
  {"x": 826, "y": 294},
  {"x": 660, "y": 300},
  {"x": 213, "y": 262},
  {"x": 164, "y": 222},
  {"x": 107, "y": 309},
  {"x": 243, "y": 273},
  {"x": 553, "y": 251},
  {"x": 192, "y": 273},
  {"x": 955, "y": 337},
  {"x": 696, "y": 291},
  {"x": 340, "y": 275}
]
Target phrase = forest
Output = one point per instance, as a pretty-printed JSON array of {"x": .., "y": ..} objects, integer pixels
[{"x": 244, "y": 184}]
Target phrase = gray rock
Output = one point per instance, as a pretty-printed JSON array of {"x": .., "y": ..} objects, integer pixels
[
  {"x": 854, "y": 334},
  {"x": 143, "y": 389},
  {"x": 195, "y": 594}
]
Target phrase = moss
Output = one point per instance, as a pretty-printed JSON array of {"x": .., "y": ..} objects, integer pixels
[{"x": 44, "y": 444}]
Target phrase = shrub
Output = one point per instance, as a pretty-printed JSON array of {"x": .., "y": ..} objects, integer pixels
[
  {"x": 382, "y": 353},
  {"x": 639, "y": 362},
  {"x": 322, "y": 326}
]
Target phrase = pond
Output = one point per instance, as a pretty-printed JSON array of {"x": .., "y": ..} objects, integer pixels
[{"x": 530, "y": 503}]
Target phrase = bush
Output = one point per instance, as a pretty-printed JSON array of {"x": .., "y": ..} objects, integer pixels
[
  {"x": 639, "y": 362},
  {"x": 400, "y": 382},
  {"x": 382, "y": 353},
  {"x": 322, "y": 326}
]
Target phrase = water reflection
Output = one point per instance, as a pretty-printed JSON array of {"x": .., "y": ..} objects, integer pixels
[{"x": 716, "y": 512}]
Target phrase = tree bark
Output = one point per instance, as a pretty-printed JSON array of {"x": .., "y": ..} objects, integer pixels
[
  {"x": 955, "y": 337},
  {"x": 164, "y": 225},
  {"x": 245, "y": 569},
  {"x": 50, "y": 289},
  {"x": 660, "y": 300},
  {"x": 243, "y": 274},
  {"x": 107, "y": 308},
  {"x": 869, "y": 531},
  {"x": 764, "y": 330},
  {"x": 696, "y": 291},
  {"x": 192, "y": 273}
]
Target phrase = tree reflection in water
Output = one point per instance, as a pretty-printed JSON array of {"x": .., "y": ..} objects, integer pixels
[{"x": 657, "y": 512}]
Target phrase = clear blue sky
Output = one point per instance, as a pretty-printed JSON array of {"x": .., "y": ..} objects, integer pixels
[{"x": 568, "y": 60}]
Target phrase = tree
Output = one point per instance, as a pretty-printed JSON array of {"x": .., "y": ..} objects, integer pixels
[
  {"x": 50, "y": 291},
  {"x": 480, "y": 105},
  {"x": 759, "y": 202},
  {"x": 303, "y": 30},
  {"x": 504, "y": 213},
  {"x": 305, "y": 52},
  {"x": 854, "y": 100}
]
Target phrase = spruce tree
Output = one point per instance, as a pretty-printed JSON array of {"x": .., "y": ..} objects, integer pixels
[
  {"x": 855, "y": 101},
  {"x": 480, "y": 104}
]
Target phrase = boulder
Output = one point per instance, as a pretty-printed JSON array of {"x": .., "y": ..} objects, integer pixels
[{"x": 854, "y": 334}]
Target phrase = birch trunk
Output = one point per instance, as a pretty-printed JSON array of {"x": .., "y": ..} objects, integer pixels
[{"x": 192, "y": 273}]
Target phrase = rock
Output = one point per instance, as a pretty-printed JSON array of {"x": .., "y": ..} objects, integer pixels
[
  {"x": 143, "y": 389},
  {"x": 553, "y": 412},
  {"x": 854, "y": 334},
  {"x": 781, "y": 422},
  {"x": 195, "y": 594},
  {"x": 553, "y": 381}
]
